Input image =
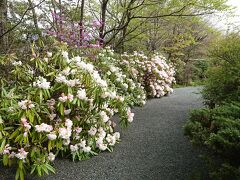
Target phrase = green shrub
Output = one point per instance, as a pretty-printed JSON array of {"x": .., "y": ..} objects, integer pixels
[
  {"x": 218, "y": 129},
  {"x": 223, "y": 82}
]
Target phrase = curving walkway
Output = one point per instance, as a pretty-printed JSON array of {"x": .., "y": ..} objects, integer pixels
[{"x": 153, "y": 147}]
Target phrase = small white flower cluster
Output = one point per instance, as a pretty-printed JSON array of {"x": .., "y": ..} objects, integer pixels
[
  {"x": 42, "y": 83},
  {"x": 64, "y": 98},
  {"x": 44, "y": 128},
  {"x": 26, "y": 126},
  {"x": 130, "y": 115},
  {"x": 66, "y": 132},
  {"x": 17, "y": 63},
  {"x": 52, "y": 136},
  {"x": 90, "y": 69},
  {"x": 104, "y": 116},
  {"x": 63, "y": 77},
  {"x": 51, "y": 156},
  {"x": 22, "y": 154},
  {"x": 80, "y": 146},
  {"x": 81, "y": 94},
  {"x": 111, "y": 139},
  {"x": 26, "y": 104},
  {"x": 100, "y": 140},
  {"x": 6, "y": 149}
]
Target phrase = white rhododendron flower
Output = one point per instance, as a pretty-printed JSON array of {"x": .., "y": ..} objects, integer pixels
[
  {"x": 117, "y": 135},
  {"x": 65, "y": 54},
  {"x": 78, "y": 130},
  {"x": 22, "y": 154},
  {"x": 130, "y": 115},
  {"x": 68, "y": 123},
  {"x": 92, "y": 131},
  {"x": 67, "y": 111},
  {"x": 74, "y": 148},
  {"x": 101, "y": 132},
  {"x": 52, "y": 136},
  {"x": 43, "y": 128},
  {"x": 63, "y": 98},
  {"x": 61, "y": 78},
  {"x": 17, "y": 63},
  {"x": 49, "y": 54},
  {"x": 104, "y": 116},
  {"x": 102, "y": 147},
  {"x": 42, "y": 83},
  {"x": 111, "y": 139},
  {"x": 26, "y": 125},
  {"x": 25, "y": 104},
  {"x": 82, "y": 143},
  {"x": 86, "y": 149},
  {"x": 65, "y": 133},
  {"x": 51, "y": 156},
  {"x": 6, "y": 149},
  {"x": 66, "y": 142},
  {"x": 81, "y": 94}
]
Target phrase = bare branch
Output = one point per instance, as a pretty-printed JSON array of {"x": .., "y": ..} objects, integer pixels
[{"x": 21, "y": 19}]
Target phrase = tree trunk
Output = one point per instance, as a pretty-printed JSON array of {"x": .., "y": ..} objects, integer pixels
[
  {"x": 3, "y": 23},
  {"x": 81, "y": 22},
  {"x": 103, "y": 21},
  {"x": 34, "y": 16}
]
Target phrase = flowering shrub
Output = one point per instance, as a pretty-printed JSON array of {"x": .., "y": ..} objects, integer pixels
[
  {"x": 63, "y": 103},
  {"x": 124, "y": 83},
  {"x": 155, "y": 75}
]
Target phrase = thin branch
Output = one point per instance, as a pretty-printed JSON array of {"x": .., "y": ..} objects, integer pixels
[{"x": 21, "y": 19}]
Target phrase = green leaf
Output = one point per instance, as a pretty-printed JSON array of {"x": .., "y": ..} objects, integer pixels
[
  {"x": 3, "y": 144},
  {"x": 5, "y": 160},
  {"x": 14, "y": 134},
  {"x": 50, "y": 168},
  {"x": 21, "y": 175},
  {"x": 17, "y": 174},
  {"x": 39, "y": 171},
  {"x": 1, "y": 120},
  {"x": 33, "y": 169}
]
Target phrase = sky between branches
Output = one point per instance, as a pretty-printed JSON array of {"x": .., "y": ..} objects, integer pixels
[{"x": 228, "y": 21}]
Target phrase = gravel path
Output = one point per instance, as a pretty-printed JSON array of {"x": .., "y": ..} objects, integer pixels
[{"x": 153, "y": 147}]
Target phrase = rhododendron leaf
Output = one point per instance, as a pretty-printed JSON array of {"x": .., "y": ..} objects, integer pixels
[
  {"x": 1, "y": 120},
  {"x": 50, "y": 168},
  {"x": 39, "y": 172},
  {"x": 5, "y": 160},
  {"x": 44, "y": 168},
  {"x": 74, "y": 101},
  {"x": 8, "y": 128},
  {"x": 50, "y": 74},
  {"x": 18, "y": 138},
  {"x": 17, "y": 176},
  {"x": 21, "y": 175},
  {"x": 94, "y": 153},
  {"x": 40, "y": 96},
  {"x": 49, "y": 145},
  {"x": 14, "y": 134},
  {"x": 61, "y": 109},
  {"x": 30, "y": 116},
  {"x": 33, "y": 168},
  {"x": 3, "y": 145}
]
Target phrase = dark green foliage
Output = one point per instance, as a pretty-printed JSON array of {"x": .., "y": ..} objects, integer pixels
[
  {"x": 223, "y": 82},
  {"x": 218, "y": 129}
]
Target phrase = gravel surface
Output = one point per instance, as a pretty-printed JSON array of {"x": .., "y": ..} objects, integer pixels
[{"x": 153, "y": 147}]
